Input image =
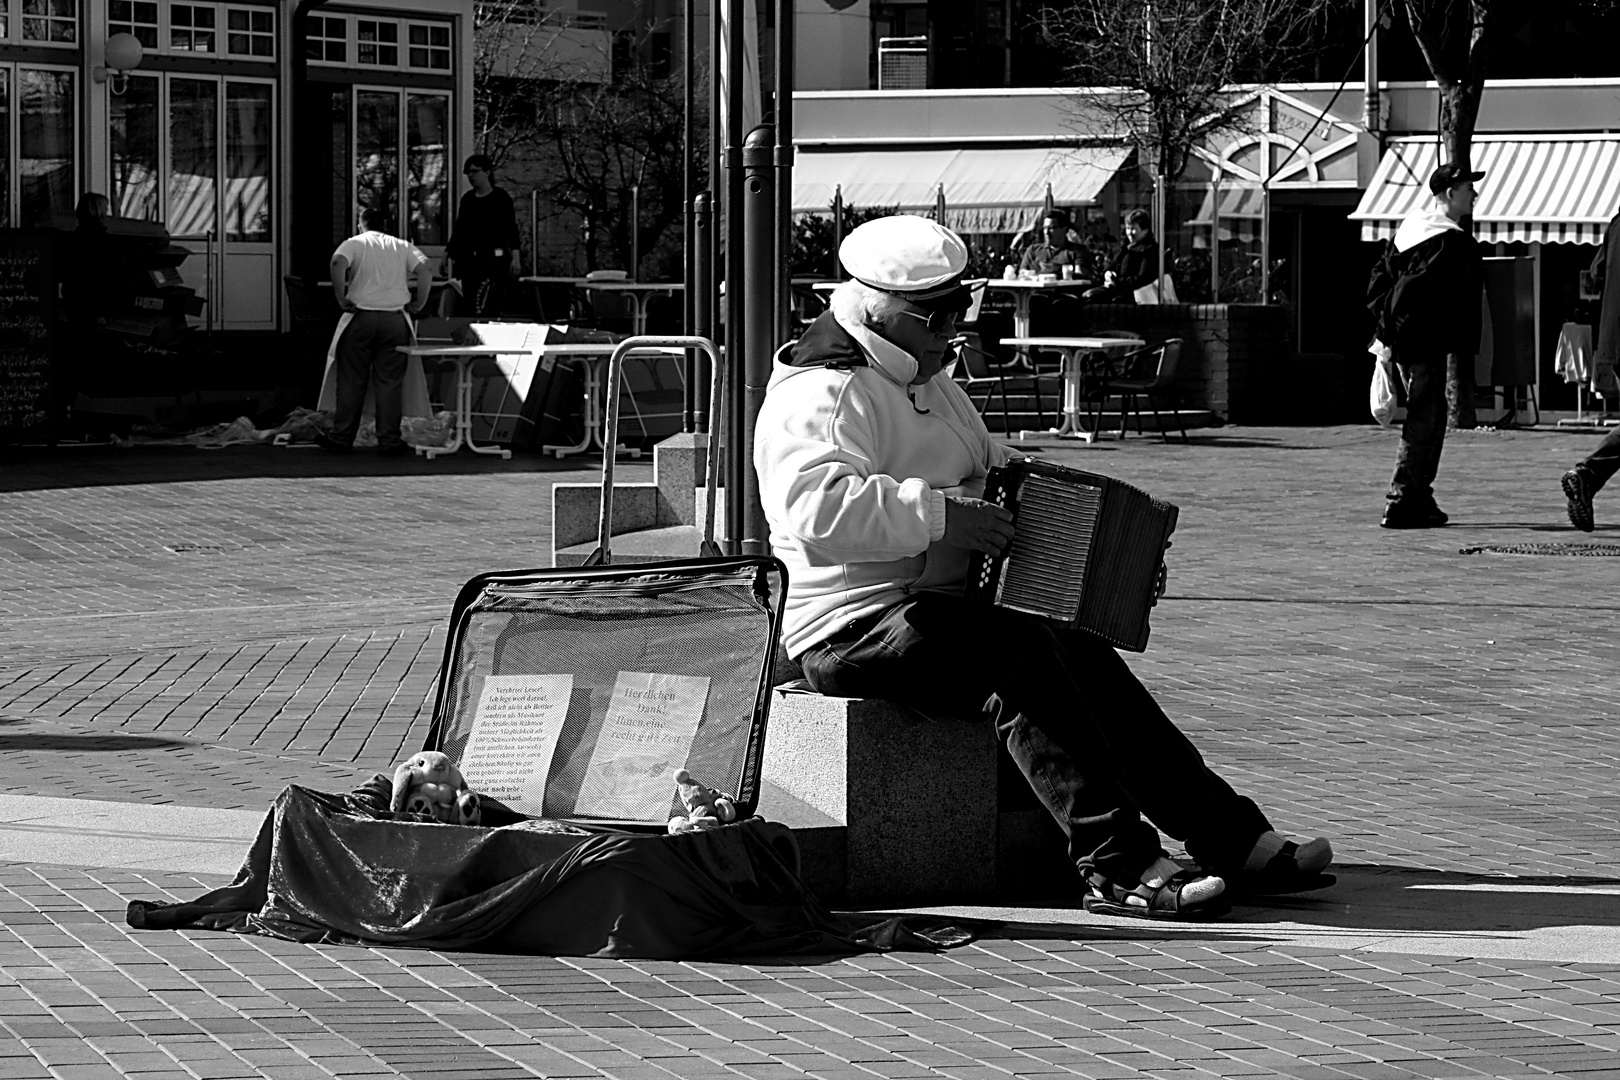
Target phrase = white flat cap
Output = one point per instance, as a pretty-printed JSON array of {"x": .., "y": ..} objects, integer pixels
[{"x": 914, "y": 256}]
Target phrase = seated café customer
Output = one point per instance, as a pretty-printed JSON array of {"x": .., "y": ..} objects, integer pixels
[
  {"x": 1055, "y": 250},
  {"x": 871, "y": 463},
  {"x": 1136, "y": 265}
]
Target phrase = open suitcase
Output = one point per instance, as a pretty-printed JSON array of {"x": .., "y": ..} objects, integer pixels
[{"x": 575, "y": 693}]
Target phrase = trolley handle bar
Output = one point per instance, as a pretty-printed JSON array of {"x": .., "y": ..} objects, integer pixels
[{"x": 603, "y": 554}]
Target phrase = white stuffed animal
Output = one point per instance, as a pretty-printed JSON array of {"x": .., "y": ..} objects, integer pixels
[
  {"x": 429, "y": 783},
  {"x": 706, "y": 808}
]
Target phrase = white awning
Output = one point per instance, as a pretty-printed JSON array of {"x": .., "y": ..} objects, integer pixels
[
  {"x": 1554, "y": 188},
  {"x": 985, "y": 190},
  {"x": 1241, "y": 211}
]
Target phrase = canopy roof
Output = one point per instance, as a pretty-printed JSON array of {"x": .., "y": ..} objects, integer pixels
[
  {"x": 986, "y": 190},
  {"x": 1549, "y": 188}
]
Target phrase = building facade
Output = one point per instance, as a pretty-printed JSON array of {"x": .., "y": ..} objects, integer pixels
[{"x": 251, "y": 131}]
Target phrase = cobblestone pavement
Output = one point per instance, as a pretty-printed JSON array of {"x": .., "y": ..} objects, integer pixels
[{"x": 197, "y": 629}]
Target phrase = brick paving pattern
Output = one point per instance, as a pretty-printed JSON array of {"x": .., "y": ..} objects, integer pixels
[{"x": 201, "y": 628}]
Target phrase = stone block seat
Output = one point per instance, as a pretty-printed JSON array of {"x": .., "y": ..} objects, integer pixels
[{"x": 891, "y": 806}]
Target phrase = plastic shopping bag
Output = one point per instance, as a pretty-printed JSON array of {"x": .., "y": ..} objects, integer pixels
[{"x": 1382, "y": 397}]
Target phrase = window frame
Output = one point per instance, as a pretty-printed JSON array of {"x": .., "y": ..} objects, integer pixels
[
  {"x": 13, "y": 149},
  {"x": 403, "y": 27},
  {"x": 16, "y": 18},
  {"x": 402, "y": 135}
]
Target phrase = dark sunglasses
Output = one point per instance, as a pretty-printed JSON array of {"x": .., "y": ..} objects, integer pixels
[{"x": 939, "y": 323}]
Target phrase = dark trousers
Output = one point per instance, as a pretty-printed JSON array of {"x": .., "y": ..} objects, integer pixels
[
  {"x": 368, "y": 352},
  {"x": 1093, "y": 744},
  {"x": 484, "y": 286},
  {"x": 1603, "y": 463},
  {"x": 1423, "y": 434}
]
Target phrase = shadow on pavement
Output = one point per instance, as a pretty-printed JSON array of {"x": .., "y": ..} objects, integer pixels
[
  {"x": 87, "y": 743},
  {"x": 40, "y": 468},
  {"x": 1398, "y": 898}
]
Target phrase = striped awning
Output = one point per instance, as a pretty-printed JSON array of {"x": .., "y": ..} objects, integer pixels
[
  {"x": 1558, "y": 189},
  {"x": 986, "y": 190}
]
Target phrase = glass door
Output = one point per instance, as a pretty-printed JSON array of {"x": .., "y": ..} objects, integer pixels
[
  {"x": 402, "y": 161},
  {"x": 193, "y": 152}
]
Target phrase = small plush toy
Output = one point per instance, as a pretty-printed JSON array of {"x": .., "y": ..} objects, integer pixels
[
  {"x": 706, "y": 808},
  {"x": 429, "y": 784}
]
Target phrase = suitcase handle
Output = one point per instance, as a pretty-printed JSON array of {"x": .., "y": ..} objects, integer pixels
[{"x": 603, "y": 554}]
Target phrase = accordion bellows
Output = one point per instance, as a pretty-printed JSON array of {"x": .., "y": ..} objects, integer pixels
[{"x": 1087, "y": 551}]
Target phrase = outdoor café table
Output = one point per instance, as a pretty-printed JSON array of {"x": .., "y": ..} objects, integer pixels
[
  {"x": 1072, "y": 349},
  {"x": 641, "y": 292},
  {"x": 1022, "y": 289},
  {"x": 591, "y": 357},
  {"x": 463, "y": 356}
]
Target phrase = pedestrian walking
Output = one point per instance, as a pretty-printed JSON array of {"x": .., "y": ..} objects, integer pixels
[
  {"x": 372, "y": 275},
  {"x": 1586, "y": 479},
  {"x": 483, "y": 246},
  {"x": 1425, "y": 299}
]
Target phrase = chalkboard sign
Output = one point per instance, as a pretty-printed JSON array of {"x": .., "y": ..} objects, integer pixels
[{"x": 28, "y": 375}]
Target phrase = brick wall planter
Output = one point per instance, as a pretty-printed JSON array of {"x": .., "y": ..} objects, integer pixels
[{"x": 1234, "y": 361}]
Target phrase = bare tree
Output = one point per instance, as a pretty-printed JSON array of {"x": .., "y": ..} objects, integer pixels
[
  {"x": 600, "y": 141},
  {"x": 1179, "y": 60},
  {"x": 586, "y": 131},
  {"x": 1452, "y": 36}
]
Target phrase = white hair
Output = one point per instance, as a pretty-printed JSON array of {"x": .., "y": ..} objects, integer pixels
[{"x": 858, "y": 304}]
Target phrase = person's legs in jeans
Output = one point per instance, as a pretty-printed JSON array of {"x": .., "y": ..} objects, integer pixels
[
  {"x": 1063, "y": 713},
  {"x": 1158, "y": 765},
  {"x": 352, "y": 363},
  {"x": 388, "y": 374},
  {"x": 1423, "y": 434}
]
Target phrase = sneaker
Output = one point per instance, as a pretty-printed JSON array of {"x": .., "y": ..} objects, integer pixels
[
  {"x": 1578, "y": 494},
  {"x": 399, "y": 449},
  {"x": 331, "y": 445}
]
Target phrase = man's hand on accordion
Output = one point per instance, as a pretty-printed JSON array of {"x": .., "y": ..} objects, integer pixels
[{"x": 977, "y": 525}]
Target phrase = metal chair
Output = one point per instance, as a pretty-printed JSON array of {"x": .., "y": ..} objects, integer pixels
[
  {"x": 1146, "y": 372},
  {"x": 976, "y": 367}
]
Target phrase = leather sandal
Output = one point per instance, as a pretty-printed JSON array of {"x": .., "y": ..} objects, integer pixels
[
  {"x": 1191, "y": 894},
  {"x": 1292, "y": 870}
]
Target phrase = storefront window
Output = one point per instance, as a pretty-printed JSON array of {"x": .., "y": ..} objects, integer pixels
[
  {"x": 138, "y": 17},
  {"x": 376, "y": 157},
  {"x": 133, "y": 123},
  {"x": 45, "y": 153},
  {"x": 193, "y": 155},
  {"x": 50, "y": 20},
  {"x": 247, "y": 161},
  {"x": 428, "y": 162}
]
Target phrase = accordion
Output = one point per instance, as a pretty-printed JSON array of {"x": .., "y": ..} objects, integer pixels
[{"x": 1087, "y": 551}]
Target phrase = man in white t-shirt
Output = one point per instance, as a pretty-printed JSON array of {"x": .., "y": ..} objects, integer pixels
[{"x": 372, "y": 278}]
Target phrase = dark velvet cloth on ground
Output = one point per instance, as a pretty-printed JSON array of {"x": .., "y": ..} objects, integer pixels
[{"x": 342, "y": 869}]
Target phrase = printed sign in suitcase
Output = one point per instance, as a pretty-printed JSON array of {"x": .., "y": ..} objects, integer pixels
[{"x": 577, "y": 692}]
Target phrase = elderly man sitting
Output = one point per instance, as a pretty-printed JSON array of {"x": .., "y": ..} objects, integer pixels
[{"x": 870, "y": 463}]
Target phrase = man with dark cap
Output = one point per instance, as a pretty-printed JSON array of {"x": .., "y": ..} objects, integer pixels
[
  {"x": 483, "y": 246},
  {"x": 871, "y": 461},
  {"x": 1426, "y": 302},
  {"x": 1586, "y": 479}
]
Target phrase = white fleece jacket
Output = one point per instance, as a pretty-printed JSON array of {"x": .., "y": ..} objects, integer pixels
[{"x": 854, "y": 479}]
